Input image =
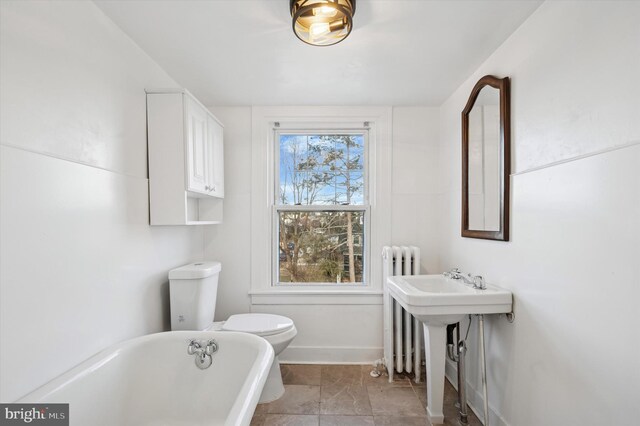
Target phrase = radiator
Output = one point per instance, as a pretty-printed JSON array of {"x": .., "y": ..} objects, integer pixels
[{"x": 402, "y": 332}]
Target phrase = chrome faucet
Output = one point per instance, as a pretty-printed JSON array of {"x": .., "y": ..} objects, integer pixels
[
  {"x": 454, "y": 274},
  {"x": 476, "y": 281},
  {"x": 203, "y": 351}
]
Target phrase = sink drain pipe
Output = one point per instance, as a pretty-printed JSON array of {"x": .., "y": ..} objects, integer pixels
[{"x": 456, "y": 352}]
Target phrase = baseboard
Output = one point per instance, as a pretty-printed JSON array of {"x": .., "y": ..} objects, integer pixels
[
  {"x": 475, "y": 400},
  {"x": 329, "y": 355}
]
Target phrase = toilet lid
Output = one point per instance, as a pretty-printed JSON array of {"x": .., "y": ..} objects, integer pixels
[{"x": 259, "y": 324}]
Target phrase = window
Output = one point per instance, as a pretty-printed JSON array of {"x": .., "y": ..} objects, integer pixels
[
  {"x": 370, "y": 202},
  {"x": 321, "y": 209}
]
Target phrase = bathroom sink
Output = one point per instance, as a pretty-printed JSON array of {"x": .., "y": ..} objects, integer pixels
[{"x": 436, "y": 299}]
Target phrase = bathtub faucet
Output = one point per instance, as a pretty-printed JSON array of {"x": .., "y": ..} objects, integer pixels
[{"x": 203, "y": 351}]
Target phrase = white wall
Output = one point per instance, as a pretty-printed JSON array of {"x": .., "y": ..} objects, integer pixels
[
  {"x": 571, "y": 356},
  {"x": 81, "y": 268},
  {"x": 326, "y": 332},
  {"x": 416, "y": 190},
  {"x": 230, "y": 242}
]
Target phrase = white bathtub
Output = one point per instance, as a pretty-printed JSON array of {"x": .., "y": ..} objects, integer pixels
[{"x": 151, "y": 380}]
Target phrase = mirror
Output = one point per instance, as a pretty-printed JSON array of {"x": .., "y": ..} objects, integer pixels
[{"x": 486, "y": 160}]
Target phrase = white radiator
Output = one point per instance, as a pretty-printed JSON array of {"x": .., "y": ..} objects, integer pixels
[{"x": 402, "y": 332}]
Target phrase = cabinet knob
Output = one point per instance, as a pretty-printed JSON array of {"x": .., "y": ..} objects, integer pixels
[
  {"x": 207, "y": 188},
  {"x": 213, "y": 188}
]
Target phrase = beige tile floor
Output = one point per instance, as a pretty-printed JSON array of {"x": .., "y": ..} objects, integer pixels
[{"x": 346, "y": 395}]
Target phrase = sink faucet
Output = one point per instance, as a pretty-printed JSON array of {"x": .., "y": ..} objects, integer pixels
[
  {"x": 454, "y": 274},
  {"x": 476, "y": 281}
]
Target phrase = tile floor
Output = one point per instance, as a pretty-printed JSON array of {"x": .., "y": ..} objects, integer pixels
[{"x": 346, "y": 395}]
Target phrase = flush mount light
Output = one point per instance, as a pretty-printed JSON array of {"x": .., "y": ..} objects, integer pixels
[{"x": 322, "y": 22}]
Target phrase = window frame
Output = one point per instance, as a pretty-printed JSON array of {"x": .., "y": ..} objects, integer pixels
[
  {"x": 276, "y": 207},
  {"x": 264, "y": 120}
]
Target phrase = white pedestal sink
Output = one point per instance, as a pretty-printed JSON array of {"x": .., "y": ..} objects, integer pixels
[{"x": 437, "y": 301}]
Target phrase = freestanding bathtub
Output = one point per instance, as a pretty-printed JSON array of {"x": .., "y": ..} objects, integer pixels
[{"x": 152, "y": 380}]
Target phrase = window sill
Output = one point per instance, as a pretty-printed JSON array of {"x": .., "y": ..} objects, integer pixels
[{"x": 314, "y": 296}]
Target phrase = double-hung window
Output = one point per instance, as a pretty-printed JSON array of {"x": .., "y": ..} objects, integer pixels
[{"x": 321, "y": 208}]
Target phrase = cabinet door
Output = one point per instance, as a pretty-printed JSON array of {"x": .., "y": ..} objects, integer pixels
[
  {"x": 216, "y": 159},
  {"x": 198, "y": 173}
]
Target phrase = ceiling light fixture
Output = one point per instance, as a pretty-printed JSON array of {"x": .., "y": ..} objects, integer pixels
[{"x": 322, "y": 22}]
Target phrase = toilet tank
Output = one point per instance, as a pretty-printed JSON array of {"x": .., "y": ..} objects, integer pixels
[{"x": 193, "y": 290}]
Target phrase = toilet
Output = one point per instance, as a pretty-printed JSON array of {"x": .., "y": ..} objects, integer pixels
[{"x": 193, "y": 291}]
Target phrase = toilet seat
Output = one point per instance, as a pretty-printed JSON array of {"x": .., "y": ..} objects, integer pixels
[{"x": 258, "y": 324}]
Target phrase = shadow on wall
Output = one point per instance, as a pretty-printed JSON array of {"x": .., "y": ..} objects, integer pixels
[
  {"x": 153, "y": 315},
  {"x": 165, "y": 311}
]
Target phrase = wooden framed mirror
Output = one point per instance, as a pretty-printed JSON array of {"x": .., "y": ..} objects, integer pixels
[{"x": 486, "y": 160}]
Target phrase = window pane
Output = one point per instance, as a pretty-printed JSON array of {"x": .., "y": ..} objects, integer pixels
[
  {"x": 321, "y": 169},
  {"x": 321, "y": 246}
]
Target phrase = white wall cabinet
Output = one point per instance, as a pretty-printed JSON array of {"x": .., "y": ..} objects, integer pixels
[
  {"x": 216, "y": 168},
  {"x": 186, "y": 160}
]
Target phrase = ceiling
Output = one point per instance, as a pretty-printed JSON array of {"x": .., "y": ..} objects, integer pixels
[{"x": 243, "y": 52}]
